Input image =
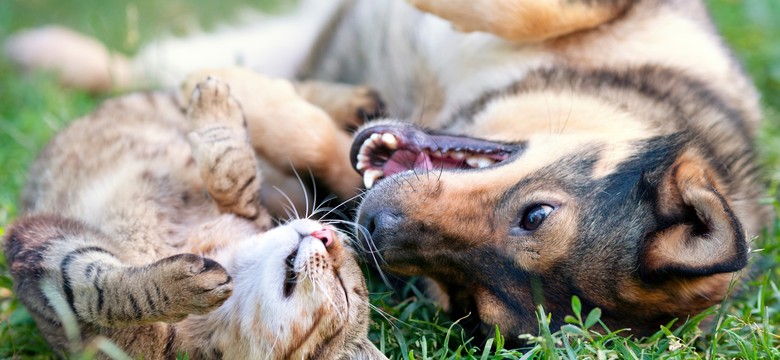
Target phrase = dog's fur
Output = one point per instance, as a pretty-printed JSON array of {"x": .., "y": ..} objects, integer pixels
[{"x": 628, "y": 124}]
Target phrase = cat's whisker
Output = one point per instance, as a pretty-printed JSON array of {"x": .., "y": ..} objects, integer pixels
[
  {"x": 304, "y": 189},
  {"x": 343, "y": 203},
  {"x": 317, "y": 209},
  {"x": 390, "y": 319},
  {"x": 289, "y": 201}
]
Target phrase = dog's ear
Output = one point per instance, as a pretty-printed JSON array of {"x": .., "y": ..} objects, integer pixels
[{"x": 699, "y": 233}]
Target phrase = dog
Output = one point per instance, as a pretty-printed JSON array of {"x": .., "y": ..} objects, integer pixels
[{"x": 535, "y": 149}]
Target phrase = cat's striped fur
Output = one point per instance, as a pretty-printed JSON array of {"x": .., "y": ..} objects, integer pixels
[{"x": 124, "y": 216}]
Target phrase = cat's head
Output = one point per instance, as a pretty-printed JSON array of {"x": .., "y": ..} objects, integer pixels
[{"x": 298, "y": 293}]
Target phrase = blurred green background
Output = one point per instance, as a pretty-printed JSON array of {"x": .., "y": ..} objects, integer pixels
[{"x": 33, "y": 107}]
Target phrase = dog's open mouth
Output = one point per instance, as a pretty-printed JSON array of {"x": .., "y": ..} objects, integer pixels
[{"x": 383, "y": 150}]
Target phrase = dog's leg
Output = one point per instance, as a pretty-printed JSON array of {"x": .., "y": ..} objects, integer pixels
[
  {"x": 349, "y": 105},
  {"x": 286, "y": 130},
  {"x": 525, "y": 20},
  {"x": 276, "y": 45}
]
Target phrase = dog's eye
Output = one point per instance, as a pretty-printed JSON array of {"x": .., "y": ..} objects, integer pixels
[{"x": 534, "y": 216}]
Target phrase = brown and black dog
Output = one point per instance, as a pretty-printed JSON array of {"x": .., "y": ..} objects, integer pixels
[
  {"x": 620, "y": 168},
  {"x": 546, "y": 148}
]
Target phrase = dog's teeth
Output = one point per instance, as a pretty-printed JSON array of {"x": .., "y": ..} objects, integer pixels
[
  {"x": 375, "y": 137},
  {"x": 360, "y": 165},
  {"x": 368, "y": 179},
  {"x": 435, "y": 154},
  {"x": 367, "y": 144},
  {"x": 363, "y": 158},
  {"x": 370, "y": 176},
  {"x": 473, "y": 161},
  {"x": 457, "y": 155},
  {"x": 389, "y": 140},
  {"x": 484, "y": 162}
]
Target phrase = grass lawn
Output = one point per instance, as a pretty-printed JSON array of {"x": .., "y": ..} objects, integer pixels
[{"x": 746, "y": 326}]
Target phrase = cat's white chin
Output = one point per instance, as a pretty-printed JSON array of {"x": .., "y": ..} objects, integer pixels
[{"x": 286, "y": 282}]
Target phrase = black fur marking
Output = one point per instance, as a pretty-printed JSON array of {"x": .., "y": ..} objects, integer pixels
[
  {"x": 110, "y": 315},
  {"x": 65, "y": 264},
  {"x": 211, "y": 129},
  {"x": 652, "y": 82},
  {"x": 219, "y": 158},
  {"x": 160, "y": 295},
  {"x": 209, "y": 265},
  {"x": 169, "y": 352},
  {"x": 99, "y": 289},
  {"x": 246, "y": 184},
  {"x": 89, "y": 269},
  {"x": 137, "y": 313},
  {"x": 150, "y": 301}
]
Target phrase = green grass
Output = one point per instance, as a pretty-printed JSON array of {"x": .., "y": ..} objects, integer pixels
[{"x": 406, "y": 325}]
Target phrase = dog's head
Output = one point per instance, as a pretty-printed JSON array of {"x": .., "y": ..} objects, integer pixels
[{"x": 553, "y": 194}]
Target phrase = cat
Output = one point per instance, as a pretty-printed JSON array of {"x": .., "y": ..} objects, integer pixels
[{"x": 145, "y": 224}]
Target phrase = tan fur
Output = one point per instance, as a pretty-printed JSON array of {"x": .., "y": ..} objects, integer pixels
[
  {"x": 349, "y": 106},
  {"x": 518, "y": 20}
]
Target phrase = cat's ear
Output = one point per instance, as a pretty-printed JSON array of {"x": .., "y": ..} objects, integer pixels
[{"x": 365, "y": 350}]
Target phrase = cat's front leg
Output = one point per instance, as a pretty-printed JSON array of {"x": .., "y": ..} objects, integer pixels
[
  {"x": 288, "y": 131},
  {"x": 59, "y": 264},
  {"x": 221, "y": 147}
]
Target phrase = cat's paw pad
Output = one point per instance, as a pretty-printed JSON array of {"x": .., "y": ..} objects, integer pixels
[
  {"x": 196, "y": 285},
  {"x": 212, "y": 103}
]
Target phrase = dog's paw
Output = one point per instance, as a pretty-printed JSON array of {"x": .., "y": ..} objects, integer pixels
[
  {"x": 192, "y": 284},
  {"x": 368, "y": 106},
  {"x": 78, "y": 60}
]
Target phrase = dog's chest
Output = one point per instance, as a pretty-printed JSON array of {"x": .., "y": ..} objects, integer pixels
[{"x": 424, "y": 69}]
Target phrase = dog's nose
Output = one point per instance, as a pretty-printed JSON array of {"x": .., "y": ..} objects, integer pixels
[{"x": 380, "y": 221}]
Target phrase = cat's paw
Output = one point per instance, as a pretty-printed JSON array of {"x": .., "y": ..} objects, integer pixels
[
  {"x": 212, "y": 104},
  {"x": 220, "y": 146},
  {"x": 192, "y": 284}
]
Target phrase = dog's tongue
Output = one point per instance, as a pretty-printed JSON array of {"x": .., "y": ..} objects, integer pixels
[
  {"x": 423, "y": 161},
  {"x": 403, "y": 160}
]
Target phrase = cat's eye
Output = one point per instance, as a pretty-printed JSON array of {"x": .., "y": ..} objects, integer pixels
[{"x": 534, "y": 216}]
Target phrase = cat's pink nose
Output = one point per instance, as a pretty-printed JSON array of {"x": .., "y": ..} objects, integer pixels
[{"x": 325, "y": 235}]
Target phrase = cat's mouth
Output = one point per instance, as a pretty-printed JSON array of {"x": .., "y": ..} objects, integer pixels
[
  {"x": 290, "y": 276},
  {"x": 315, "y": 257},
  {"x": 383, "y": 150}
]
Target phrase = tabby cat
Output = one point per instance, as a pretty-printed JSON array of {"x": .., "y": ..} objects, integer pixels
[{"x": 144, "y": 222}]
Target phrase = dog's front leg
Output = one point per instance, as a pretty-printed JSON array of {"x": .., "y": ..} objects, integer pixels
[{"x": 525, "y": 20}]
